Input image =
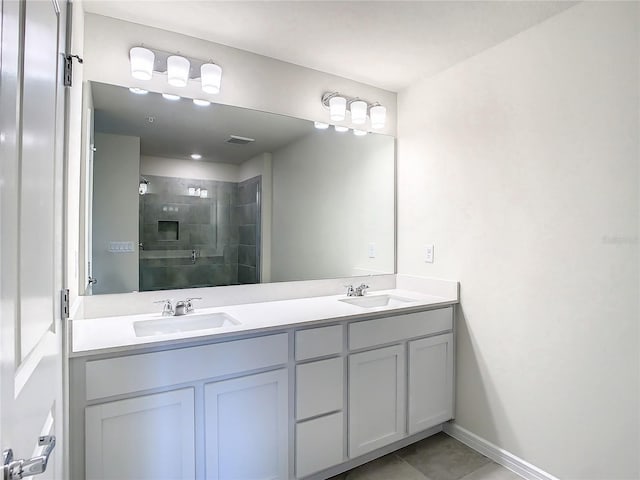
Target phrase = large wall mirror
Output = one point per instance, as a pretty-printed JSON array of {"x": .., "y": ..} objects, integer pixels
[{"x": 179, "y": 195}]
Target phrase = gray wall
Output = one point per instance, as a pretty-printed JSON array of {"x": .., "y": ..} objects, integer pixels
[{"x": 115, "y": 189}]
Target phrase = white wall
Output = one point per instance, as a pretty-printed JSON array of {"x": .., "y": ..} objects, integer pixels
[
  {"x": 521, "y": 166},
  {"x": 249, "y": 80},
  {"x": 115, "y": 190},
  {"x": 178, "y": 168},
  {"x": 347, "y": 185},
  {"x": 262, "y": 165}
]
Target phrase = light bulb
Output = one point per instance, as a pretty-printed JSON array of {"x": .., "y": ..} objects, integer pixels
[
  {"x": 211, "y": 77},
  {"x": 141, "y": 60},
  {"x": 359, "y": 133},
  {"x": 358, "y": 112},
  {"x": 341, "y": 129},
  {"x": 170, "y": 96},
  {"x": 196, "y": 156},
  {"x": 321, "y": 125},
  {"x": 201, "y": 103},
  {"x": 138, "y": 91},
  {"x": 378, "y": 116},
  {"x": 337, "y": 108},
  {"x": 178, "y": 71}
]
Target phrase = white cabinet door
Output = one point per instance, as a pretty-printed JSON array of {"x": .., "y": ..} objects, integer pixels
[
  {"x": 246, "y": 428},
  {"x": 377, "y": 398},
  {"x": 149, "y": 437},
  {"x": 430, "y": 382}
]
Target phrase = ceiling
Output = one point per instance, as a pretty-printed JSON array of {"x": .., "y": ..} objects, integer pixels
[
  {"x": 387, "y": 44},
  {"x": 180, "y": 128}
]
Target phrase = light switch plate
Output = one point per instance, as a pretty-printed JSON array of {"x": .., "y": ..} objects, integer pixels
[
  {"x": 121, "y": 247},
  {"x": 372, "y": 250},
  {"x": 428, "y": 253}
]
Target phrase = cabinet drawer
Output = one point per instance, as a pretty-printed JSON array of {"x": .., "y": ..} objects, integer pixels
[
  {"x": 319, "y": 444},
  {"x": 319, "y": 387},
  {"x": 317, "y": 342},
  {"x": 386, "y": 330},
  {"x": 117, "y": 376}
]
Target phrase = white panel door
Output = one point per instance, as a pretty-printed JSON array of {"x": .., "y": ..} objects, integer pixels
[
  {"x": 246, "y": 428},
  {"x": 430, "y": 382},
  {"x": 151, "y": 437},
  {"x": 377, "y": 396},
  {"x": 31, "y": 149}
]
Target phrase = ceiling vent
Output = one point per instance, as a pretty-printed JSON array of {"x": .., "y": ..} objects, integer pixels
[{"x": 236, "y": 140}]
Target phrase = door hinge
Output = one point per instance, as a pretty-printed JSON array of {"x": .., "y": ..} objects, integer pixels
[
  {"x": 68, "y": 68},
  {"x": 64, "y": 303}
]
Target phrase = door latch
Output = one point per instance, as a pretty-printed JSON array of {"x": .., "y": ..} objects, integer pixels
[{"x": 18, "y": 469}]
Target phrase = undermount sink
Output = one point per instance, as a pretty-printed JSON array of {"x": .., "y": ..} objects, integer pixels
[
  {"x": 183, "y": 323},
  {"x": 372, "y": 301}
]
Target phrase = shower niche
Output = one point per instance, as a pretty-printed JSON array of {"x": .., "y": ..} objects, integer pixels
[{"x": 199, "y": 233}]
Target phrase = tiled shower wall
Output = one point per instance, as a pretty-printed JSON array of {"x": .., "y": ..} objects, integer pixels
[
  {"x": 248, "y": 218},
  {"x": 188, "y": 241}
]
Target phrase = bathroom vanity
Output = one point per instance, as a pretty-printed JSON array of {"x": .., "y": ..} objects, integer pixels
[{"x": 298, "y": 388}]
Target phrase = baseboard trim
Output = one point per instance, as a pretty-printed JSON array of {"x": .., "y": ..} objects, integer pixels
[{"x": 506, "y": 459}]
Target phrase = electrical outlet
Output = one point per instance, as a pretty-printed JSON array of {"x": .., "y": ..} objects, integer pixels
[
  {"x": 428, "y": 253},
  {"x": 372, "y": 250}
]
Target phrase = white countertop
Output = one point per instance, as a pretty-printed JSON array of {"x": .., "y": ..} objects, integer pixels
[{"x": 116, "y": 334}]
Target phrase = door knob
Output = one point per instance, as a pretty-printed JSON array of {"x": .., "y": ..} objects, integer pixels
[{"x": 17, "y": 469}]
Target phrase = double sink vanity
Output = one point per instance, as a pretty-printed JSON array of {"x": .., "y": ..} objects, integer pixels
[{"x": 302, "y": 387}]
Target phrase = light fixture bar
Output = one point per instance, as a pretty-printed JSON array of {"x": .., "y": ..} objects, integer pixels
[
  {"x": 358, "y": 107},
  {"x": 160, "y": 62}
]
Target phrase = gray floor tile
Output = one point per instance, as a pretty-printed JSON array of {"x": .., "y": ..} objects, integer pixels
[
  {"x": 492, "y": 471},
  {"x": 441, "y": 457},
  {"x": 385, "y": 468}
]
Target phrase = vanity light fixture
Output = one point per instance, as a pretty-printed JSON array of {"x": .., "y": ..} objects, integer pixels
[
  {"x": 210, "y": 77},
  {"x": 358, "y": 109},
  {"x": 196, "y": 156},
  {"x": 170, "y": 96},
  {"x": 192, "y": 191},
  {"x": 201, "y": 103},
  {"x": 359, "y": 133},
  {"x": 321, "y": 125},
  {"x": 141, "y": 60},
  {"x": 138, "y": 91},
  {"x": 378, "y": 115},
  {"x": 178, "y": 71},
  {"x": 340, "y": 128},
  {"x": 203, "y": 193}
]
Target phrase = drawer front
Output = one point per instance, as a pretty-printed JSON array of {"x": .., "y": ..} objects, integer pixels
[
  {"x": 386, "y": 330},
  {"x": 319, "y": 444},
  {"x": 317, "y": 342},
  {"x": 319, "y": 387},
  {"x": 117, "y": 376}
]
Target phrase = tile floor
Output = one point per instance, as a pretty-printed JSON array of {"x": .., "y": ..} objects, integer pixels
[{"x": 439, "y": 457}]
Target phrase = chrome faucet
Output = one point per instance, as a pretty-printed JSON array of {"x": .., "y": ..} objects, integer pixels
[
  {"x": 357, "y": 291},
  {"x": 167, "y": 308},
  {"x": 185, "y": 306}
]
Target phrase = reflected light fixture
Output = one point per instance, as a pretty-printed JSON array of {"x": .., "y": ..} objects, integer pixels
[
  {"x": 321, "y": 125},
  {"x": 201, "y": 103},
  {"x": 178, "y": 70},
  {"x": 210, "y": 77},
  {"x": 378, "y": 115},
  {"x": 358, "y": 110},
  {"x": 203, "y": 193},
  {"x": 138, "y": 91},
  {"x": 170, "y": 96},
  {"x": 141, "y": 60},
  {"x": 341, "y": 129},
  {"x": 196, "y": 156},
  {"x": 144, "y": 186},
  {"x": 359, "y": 133},
  {"x": 337, "y": 108}
]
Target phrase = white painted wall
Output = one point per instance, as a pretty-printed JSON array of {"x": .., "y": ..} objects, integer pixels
[
  {"x": 262, "y": 165},
  {"x": 323, "y": 224},
  {"x": 178, "y": 168},
  {"x": 249, "y": 80},
  {"x": 521, "y": 166},
  {"x": 115, "y": 190}
]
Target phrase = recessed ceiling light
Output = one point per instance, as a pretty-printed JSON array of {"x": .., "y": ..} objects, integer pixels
[
  {"x": 359, "y": 133},
  {"x": 170, "y": 96},
  {"x": 321, "y": 125},
  {"x": 196, "y": 156},
  {"x": 201, "y": 103},
  {"x": 138, "y": 91},
  {"x": 341, "y": 129}
]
